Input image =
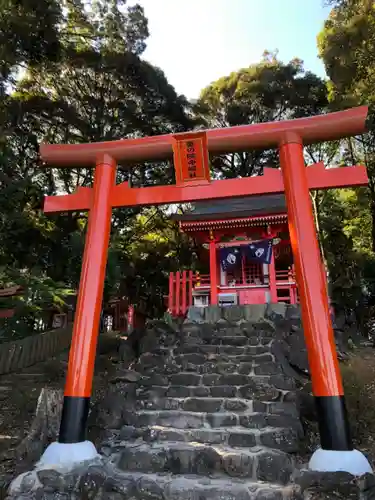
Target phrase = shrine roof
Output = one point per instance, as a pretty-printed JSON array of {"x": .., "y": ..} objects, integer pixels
[{"x": 250, "y": 206}]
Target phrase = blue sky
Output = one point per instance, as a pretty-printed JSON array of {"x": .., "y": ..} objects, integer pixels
[{"x": 197, "y": 41}]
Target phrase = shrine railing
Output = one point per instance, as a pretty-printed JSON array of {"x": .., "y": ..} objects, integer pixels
[
  {"x": 287, "y": 275},
  {"x": 201, "y": 280},
  {"x": 180, "y": 292},
  {"x": 286, "y": 286}
]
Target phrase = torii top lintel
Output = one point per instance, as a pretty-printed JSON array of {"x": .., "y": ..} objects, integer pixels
[{"x": 311, "y": 130}]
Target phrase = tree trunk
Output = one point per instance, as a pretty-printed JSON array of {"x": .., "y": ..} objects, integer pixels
[
  {"x": 44, "y": 428},
  {"x": 373, "y": 220},
  {"x": 314, "y": 199}
]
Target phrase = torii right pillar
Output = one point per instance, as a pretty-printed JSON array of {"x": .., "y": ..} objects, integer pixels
[{"x": 336, "y": 452}]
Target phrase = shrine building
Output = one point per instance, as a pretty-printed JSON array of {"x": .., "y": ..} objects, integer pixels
[{"x": 245, "y": 246}]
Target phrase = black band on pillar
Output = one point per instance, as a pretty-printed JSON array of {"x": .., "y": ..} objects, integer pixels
[
  {"x": 74, "y": 419},
  {"x": 333, "y": 423}
]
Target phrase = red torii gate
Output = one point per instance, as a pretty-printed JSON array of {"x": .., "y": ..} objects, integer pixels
[{"x": 190, "y": 152}]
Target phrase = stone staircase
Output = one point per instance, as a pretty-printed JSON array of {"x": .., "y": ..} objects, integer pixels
[
  {"x": 215, "y": 416},
  {"x": 208, "y": 412}
]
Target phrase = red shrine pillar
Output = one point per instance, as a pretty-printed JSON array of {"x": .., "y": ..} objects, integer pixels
[
  {"x": 324, "y": 367},
  {"x": 86, "y": 323},
  {"x": 272, "y": 278},
  {"x": 214, "y": 272},
  {"x": 272, "y": 271}
]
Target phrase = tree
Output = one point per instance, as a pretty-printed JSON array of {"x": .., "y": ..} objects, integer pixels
[
  {"x": 146, "y": 253},
  {"x": 97, "y": 89},
  {"x": 345, "y": 222},
  {"x": 28, "y": 35},
  {"x": 346, "y": 45},
  {"x": 263, "y": 92}
]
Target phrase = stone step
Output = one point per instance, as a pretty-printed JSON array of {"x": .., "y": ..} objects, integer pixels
[
  {"x": 198, "y": 359},
  {"x": 279, "y": 438},
  {"x": 212, "y": 404},
  {"x": 259, "y": 463},
  {"x": 261, "y": 415},
  {"x": 200, "y": 348},
  {"x": 222, "y": 349},
  {"x": 209, "y": 331},
  {"x": 151, "y": 363},
  {"x": 286, "y": 408},
  {"x": 196, "y": 404},
  {"x": 245, "y": 327},
  {"x": 183, "y": 419},
  {"x": 224, "y": 368},
  {"x": 168, "y": 364},
  {"x": 227, "y": 340},
  {"x": 255, "y": 367},
  {"x": 229, "y": 403},
  {"x": 251, "y": 390},
  {"x": 179, "y": 487},
  {"x": 266, "y": 376}
]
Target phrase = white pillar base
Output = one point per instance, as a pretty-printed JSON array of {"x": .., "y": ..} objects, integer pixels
[
  {"x": 58, "y": 456},
  {"x": 67, "y": 454},
  {"x": 352, "y": 461}
]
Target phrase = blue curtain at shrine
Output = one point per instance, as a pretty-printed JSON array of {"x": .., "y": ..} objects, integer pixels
[
  {"x": 259, "y": 251},
  {"x": 229, "y": 258}
]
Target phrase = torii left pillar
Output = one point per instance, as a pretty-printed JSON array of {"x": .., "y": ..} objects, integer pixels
[{"x": 77, "y": 395}]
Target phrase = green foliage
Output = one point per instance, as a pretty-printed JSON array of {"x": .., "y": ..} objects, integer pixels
[
  {"x": 86, "y": 83},
  {"x": 40, "y": 298},
  {"x": 146, "y": 253},
  {"x": 263, "y": 92},
  {"x": 346, "y": 45},
  {"x": 28, "y": 34},
  {"x": 345, "y": 234}
]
